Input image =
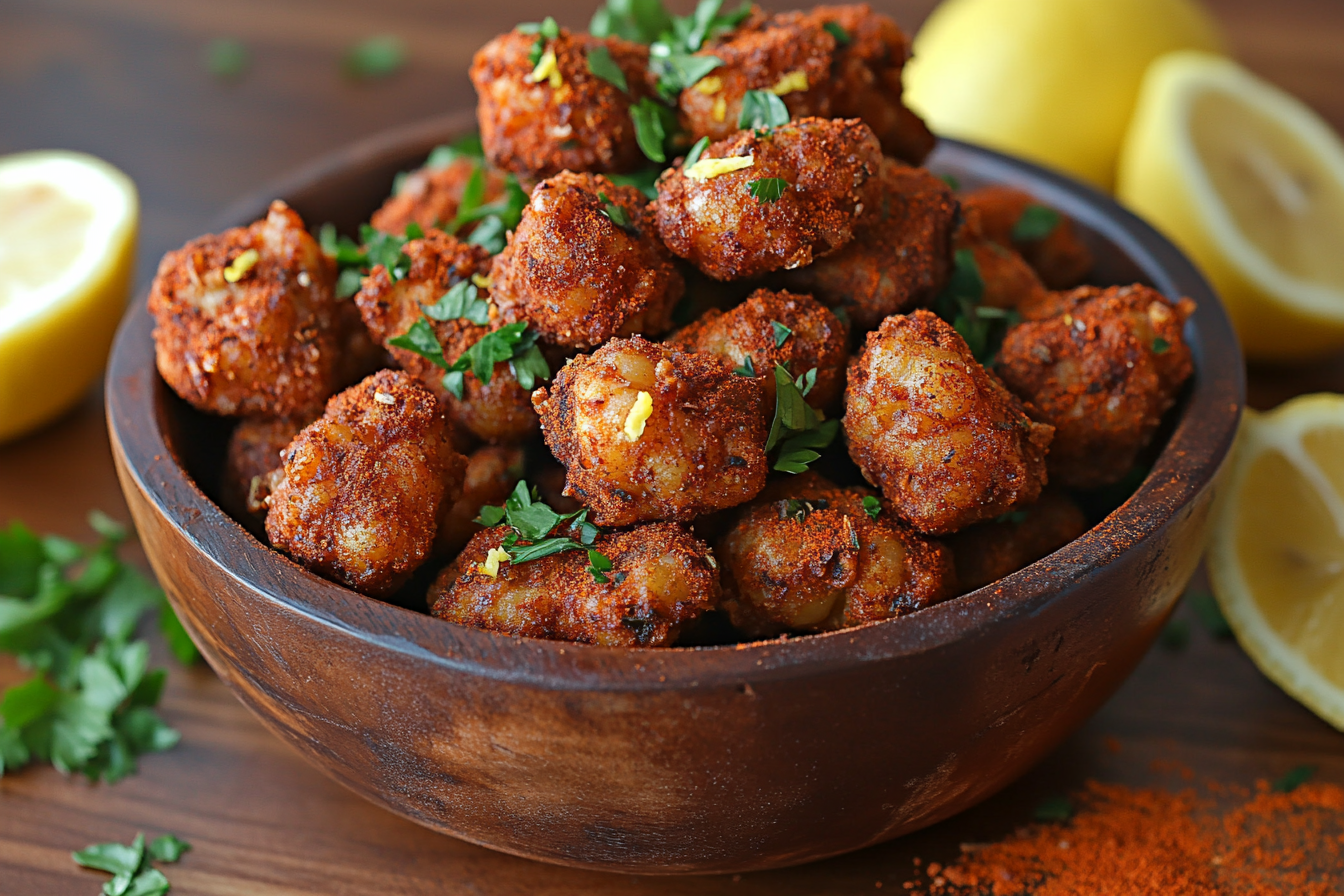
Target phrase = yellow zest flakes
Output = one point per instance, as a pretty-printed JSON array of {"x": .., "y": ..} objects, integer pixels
[
  {"x": 480, "y": 282},
  {"x": 707, "y": 168},
  {"x": 492, "y": 560},
  {"x": 241, "y": 265},
  {"x": 639, "y": 414},
  {"x": 548, "y": 70},
  {"x": 709, "y": 85},
  {"x": 793, "y": 82},
  {"x": 720, "y": 109}
]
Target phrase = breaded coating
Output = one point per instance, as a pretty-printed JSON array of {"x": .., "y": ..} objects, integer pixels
[
  {"x": 649, "y": 433},
  {"x": 989, "y": 551},
  {"x": 716, "y": 224},
  {"x": 865, "y": 78},
  {"x": 360, "y": 492},
  {"x": 582, "y": 268},
  {"x": 255, "y": 448},
  {"x": 788, "y": 56},
  {"x": 431, "y": 197},
  {"x": 900, "y": 258},
  {"x": 818, "y": 341},
  {"x": 492, "y": 472},
  {"x": 540, "y": 118},
  {"x": 1062, "y": 260},
  {"x": 247, "y": 319},
  {"x": 1010, "y": 283},
  {"x": 807, "y": 556},
  {"x": 1103, "y": 371},
  {"x": 945, "y": 441},
  {"x": 499, "y": 412},
  {"x": 661, "y": 579}
]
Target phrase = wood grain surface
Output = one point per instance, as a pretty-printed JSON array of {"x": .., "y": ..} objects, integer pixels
[{"x": 123, "y": 79}]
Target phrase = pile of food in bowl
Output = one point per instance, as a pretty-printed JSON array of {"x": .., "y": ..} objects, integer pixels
[{"x": 621, "y": 363}]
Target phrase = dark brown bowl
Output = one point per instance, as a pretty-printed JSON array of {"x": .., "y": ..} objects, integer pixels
[{"x": 712, "y": 759}]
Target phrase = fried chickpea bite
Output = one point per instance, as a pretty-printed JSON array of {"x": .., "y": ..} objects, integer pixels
[
  {"x": 360, "y": 492},
  {"x": 1010, "y": 283},
  {"x": 585, "y": 264},
  {"x": 1061, "y": 259},
  {"x": 988, "y": 551},
  {"x": 540, "y": 118},
  {"x": 661, "y": 579},
  {"x": 788, "y": 56},
  {"x": 246, "y": 320},
  {"x": 492, "y": 472},
  {"x": 812, "y": 338},
  {"x": 499, "y": 412},
  {"x": 807, "y": 556},
  {"x": 712, "y": 220},
  {"x": 650, "y": 433},
  {"x": 254, "y": 450},
  {"x": 945, "y": 441},
  {"x": 431, "y": 197},
  {"x": 1103, "y": 371},
  {"x": 900, "y": 258}
]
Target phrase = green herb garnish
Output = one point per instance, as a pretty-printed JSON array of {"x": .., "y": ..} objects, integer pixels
[
  {"x": 797, "y": 430},
  {"x": 601, "y": 65},
  {"x": 837, "y": 31},
  {"x": 768, "y": 189},
  {"x": 545, "y": 30},
  {"x": 446, "y": 154},
  {"x": 677, "y": 71},
  {"x": 782, "y": 333},
  {"x": 747, "y": 368},
  {"x": 872, "y": 506},
  {"x": 696, "y": 152},
  {"x": 615, "y": 212},
  {"x": 1161, "y": 346},
  {"x": 762, "y": 109},
  {"x": 460, "y": 302},
  {"x": 1294, "y": 778},
  {"x": 533, "y": 521},
  {"x": 376, "y": 57},
  {"x": 1036, "y": 223},
  {"x": 227, "y": 58},
  {"x": 355, "y": 261},
  {"x": 648, "y": 115},
  {"x": 983, "y": 327},
  {"x": 646, "y": 181},
  {"x": 951, "y": 180},
  {"x": 514, "y": 343},
  {"x": 132, "y": 874},
  {"x": 1054, "y": 808}
]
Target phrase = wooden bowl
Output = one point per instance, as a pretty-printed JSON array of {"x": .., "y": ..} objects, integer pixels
[{"x": 685, "y": 760}]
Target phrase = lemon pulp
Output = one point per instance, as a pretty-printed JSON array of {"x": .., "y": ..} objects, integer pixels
[{"x": 42, "y": 231}]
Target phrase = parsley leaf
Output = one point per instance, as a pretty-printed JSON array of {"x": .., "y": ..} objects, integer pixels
[
  {"x": 1054, "y": 808},
  {"x": 762, "y": 109},
  {"x": 460, "y": 302},
  {"x": 641, "y": 21},
  {"x": 1294, "y": 778},
  {"x": 446, "y": 154},
  {"x": 615, "y": 212},
  {"x": 354, "y": 261},
  {"x": 227, "y": 58},
  {"x": 646, "y": 181},
  {"x": 782, "y": 334},
  {"x": 872, "y": 506},
  {"x": 513, "y": 343},
  {"x": 951, "y": 180},
  {"x": 983, "y": 327},
  {"x": 1161, "y": 346},
  {"x": 376, "y": 57},
  {"x": 768, "y": 189},
  {"x": 648, "y": 114},
  {"x": 132, "y": 874},
  {"x": 696, "y": 152},
  {"x": 1036, "y": 223},
  {"x": 533, "y": 521},
  {"x": 797, "y": 430},
  {"x": 678, "y": 71},
  {"x": 599, "y": 565},
  {"x": 837, "y": 31},
  {"x": 601, "y": 65},
  {"x": 747, "y": 368}
]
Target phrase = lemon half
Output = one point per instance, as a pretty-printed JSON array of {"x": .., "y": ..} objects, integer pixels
[
  {"x": 67, "y": 249},
  {"x": 1276, "y": 559},
  {"x": 1249, "y": 182}
]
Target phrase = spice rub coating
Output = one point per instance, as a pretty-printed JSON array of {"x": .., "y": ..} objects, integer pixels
[
  {"x": 431, "y": 197},
  {"x": 540, "y": 118},
  {"x": 497, "y": 412},
  {"x": 491, "y": 473},
  {"x": 254, "y": 450},
  {"x": 586, "y": 264},
  {"x": 661, "y": 578},
  {"x": 717, "y": 225},
  {"x": 901, "y": 255},
  {"x": 1061, "y": 259},
  {"x": 819, "y": 340},
  {"x": 649, "y": 433},
  {"x": 360, "y": 492},
  {"x": 265, "y": 344},
  {"x": 988, "y": 551},
  {"x": 807, "y": 556},
  {"x": 948, "y": 445},
  {"x": 1103, "y": 369}
]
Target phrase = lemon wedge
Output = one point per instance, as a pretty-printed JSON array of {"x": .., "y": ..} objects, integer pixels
[
  {"x": 1276, "y": 559},
  {"x": 1051, "y": 80},
  {"x": 1249, "y": 182},
  {"x": 67, "y": 248}
]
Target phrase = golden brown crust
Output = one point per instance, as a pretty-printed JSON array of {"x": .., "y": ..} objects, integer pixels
[
  {"x": 901, "y": 256},
  {"x": 807, "y": 556},
  {"x": 819, "y": 341},
  {"x": 499, "y": 412},
  {"x": 661, "y": 579},
  {"x": 945, "y": 441},
  {"x": 718, "y": 226},
  {"x": 431, "y": 197},
  {"x": 265, "y": 345},
  {"x": 989, "y": 551},
  {"x": 702, "y": 447},
  {"x": 254, "y": 450},
  {"x": 576, "y": 275},
  {"x": 536, "y": 130},
  {"x": 1010, "y": 282},
  {"x": 492, "y": 472},
  {"x": 1103, "y": 371},
  {"x": 1062, "y": 260},
  {"x": 360, "y": 492}
]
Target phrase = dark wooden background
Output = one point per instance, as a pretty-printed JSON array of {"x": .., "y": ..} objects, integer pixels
[{"x": 124, "y": 79}]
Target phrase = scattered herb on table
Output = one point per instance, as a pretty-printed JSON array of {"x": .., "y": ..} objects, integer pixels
[
  {"x": 227, "y": 58},
  {"x": 130, "y": 866},
  {"x": 376, "y": 57}
]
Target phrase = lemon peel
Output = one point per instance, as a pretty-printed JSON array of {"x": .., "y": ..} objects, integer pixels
[
  {"x": 710, "y": 168},
  {"x": 493, "y": 558},
  {"x": 240, "y": 266},
  {"x": 709, "y": 85},
  {"x": 548, "y": 69},
  {"x": 639, "y": 414},
  {"x": 793, "y": 82}
]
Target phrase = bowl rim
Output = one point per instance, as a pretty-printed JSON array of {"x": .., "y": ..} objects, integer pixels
[{"x": 1195, "y": 451}]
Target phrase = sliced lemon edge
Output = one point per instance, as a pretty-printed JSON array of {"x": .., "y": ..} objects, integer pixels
[{"x": 1281, "y": 430}]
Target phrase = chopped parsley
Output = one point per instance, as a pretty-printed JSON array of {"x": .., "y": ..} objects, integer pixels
[
  {"x": 762, "y": 109},
  {"x": 1161, "y": 346},
  {"x": 132, "y": 873},
  {"x": 677, "y": 71},
  {"x": 227, "y": 58},
  {"x": 653, "y": 123},
  {"x": 1294, "y": 778},
  {"x": 747, "y": 368},
  {"x": 616, "y": 213},
  {"x": 493, "y": 219},
  {"x": 446, "y": 154},
  {"x": 1054, "y": 808},
  {"x": 782, "y": 333},
  {"x": 646, "y": 180},
  {"x": 696, "y": 152},
  {"x": 837, "y": 31},
  {"x": 376, "y": 57},
  {"x": 460, "y": 302},
  {"x": 983, "y": 327},
  {"x": 354, "y": 261},
  {"x": 545, "y": 30},
  {"x": 601, "y": 65},
  {"x": 1036, "y": 223},
  {"x": 797, "y": 430},
  {"x": 514, "y": 343},
  {"x": 768, "y": 189},
  {"x": 872, "y": 506},
  {"x": 951, "y": 180},
  {"x": 532, "y": 521}
]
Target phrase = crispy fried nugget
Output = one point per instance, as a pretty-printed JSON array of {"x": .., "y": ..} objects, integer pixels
[
  {"x": 1062, "y": 260},
  {"x": 1103, "y": 371},
  {"x": 715, "y": 223},
  {"x": 247, "y": 320},
  {"x": 492, "y": 472},
  {"x": 585, "y": 264},
  {"x": 901, "y": 256},
  {"x": 255, "y": 449},
  {"x": 988, "y": 551},
  {"x": 945, "y": 441},
  {"x": 812, "y": 338},
  {"x": 1010, "y": 282},
  {"x": 359, "y": 494},
  {"x": 497, "y": 412},
  {"x": 540, "y": 118},
  {"x": 807, "y": 556},
  {"x": 661, "y": 578},
  {"x": 650, "y": 433},
  {"x": 431, "y": 197}
]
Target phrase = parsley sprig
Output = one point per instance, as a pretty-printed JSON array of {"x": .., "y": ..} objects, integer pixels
[
  {"x": 761, "y": 109},
  {"x": 355, "y": 260},
  {"x": 1036, "y": 223},
  {"x": 960, "y": 304},
  {"x": 797, "y": 430},
  {"x": 533, "y": 522},
  {"x": 132, "y": 873},
  {"x": 768, "y": 189},
  {"x": 513, "y": 343}
]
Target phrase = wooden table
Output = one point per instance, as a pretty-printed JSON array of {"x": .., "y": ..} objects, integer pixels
[{"x": 123, "y": 79}]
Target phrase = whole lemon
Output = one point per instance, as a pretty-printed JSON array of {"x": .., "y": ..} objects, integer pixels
[{"x": 1054, "y": 81}]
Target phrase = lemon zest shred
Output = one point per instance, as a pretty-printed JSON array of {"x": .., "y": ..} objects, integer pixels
[
  {"x": 240, "y": 266},
  {"x": 720, "y": 109},
  {"x": 639, "y": 414},
  {"x": 709, "y": 85},
  {"x": 480, "y": 282},
  {"x": 548, "y": 69},
  {"x": 492, "y": 560},
  {"x": 707, "y": 168},
  {"x": 793, "y": 82}
]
